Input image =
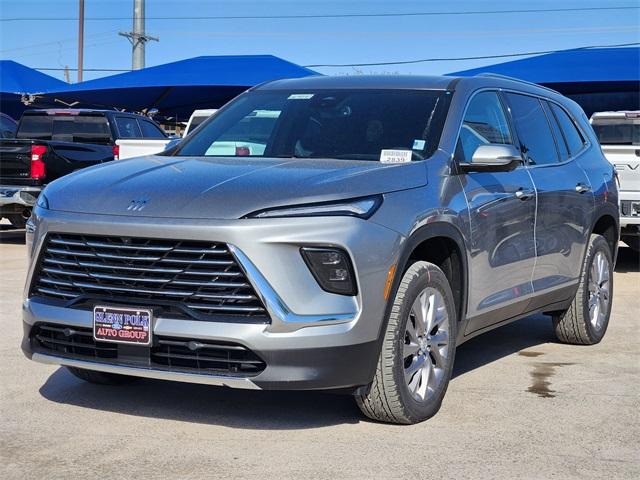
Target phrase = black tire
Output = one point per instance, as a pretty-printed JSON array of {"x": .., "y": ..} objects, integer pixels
[
  {"x": 574, "y": 325},
  {"x": 389, "y": 398},
  {"x": 17, "y": 221},
  {"x": 99, "y": 378},
  {"x": 632, "y": 241}
]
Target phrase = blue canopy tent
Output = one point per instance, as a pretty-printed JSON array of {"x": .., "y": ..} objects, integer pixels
[
  {"x": 599, "y": 79},
  {"x": 17, "y": 80},
  {"x": 176, "y": 89}
]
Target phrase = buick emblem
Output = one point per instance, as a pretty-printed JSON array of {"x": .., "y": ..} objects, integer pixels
[{"x": 137, "y": 205}]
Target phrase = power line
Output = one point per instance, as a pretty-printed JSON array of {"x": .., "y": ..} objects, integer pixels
[
  {"x": 333, "y": 15},
  {"x": 455, "y": 59},
  {"x": 58, "y": 69},
  {"x": 402, "y": 62}
]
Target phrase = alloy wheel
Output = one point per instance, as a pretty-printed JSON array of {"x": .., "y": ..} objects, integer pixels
[
  {"x": 426, "y": 344},
  {"x": 599, "y": 290}
]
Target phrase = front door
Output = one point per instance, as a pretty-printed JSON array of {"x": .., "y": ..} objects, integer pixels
[{"x": 501, "y": 212}]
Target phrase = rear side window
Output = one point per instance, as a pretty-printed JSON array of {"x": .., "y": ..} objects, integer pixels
[
  {"x": 128, "y": 127},
  {"x": 563, "y": 150},
  {"x": 484, "y": 123},
  {"x": 536, "y": 140},
  {"x": 573, "y": 137},
  {"x": 150, "y": 130}
]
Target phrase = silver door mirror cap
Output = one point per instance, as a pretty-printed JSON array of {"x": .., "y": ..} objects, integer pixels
[{"x": 493, "y": 158}]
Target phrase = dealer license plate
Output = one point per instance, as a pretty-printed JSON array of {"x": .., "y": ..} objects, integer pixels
[{"x": 122, "y": 325}]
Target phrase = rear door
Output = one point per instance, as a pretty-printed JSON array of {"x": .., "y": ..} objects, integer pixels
[
  {"x": 550, "y": 142},
  {"x": 502, "y": 216}
]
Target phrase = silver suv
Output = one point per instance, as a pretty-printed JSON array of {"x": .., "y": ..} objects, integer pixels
[{"x": 331, "y": 233}]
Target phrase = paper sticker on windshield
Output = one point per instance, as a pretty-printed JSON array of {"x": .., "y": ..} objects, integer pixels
[
  {"x": 395, "y": 156},
  {"x": 300, "y": 96},
  {"x": 419, "y": 144}
]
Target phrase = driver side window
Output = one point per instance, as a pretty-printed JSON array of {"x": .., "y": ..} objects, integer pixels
[{"x": 484, "y": 123}]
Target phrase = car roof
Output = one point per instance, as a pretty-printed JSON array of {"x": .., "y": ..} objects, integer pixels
[
  {"x": 361, "y": 81},
  {"x": 53, "y": 111},
  {"x": 618, "y": 114}
]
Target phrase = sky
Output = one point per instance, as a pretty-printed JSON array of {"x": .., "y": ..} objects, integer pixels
[{"x": 43, "y": 34}]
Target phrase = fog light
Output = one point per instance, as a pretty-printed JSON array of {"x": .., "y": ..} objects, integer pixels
[{"x": 331, "y": 267}]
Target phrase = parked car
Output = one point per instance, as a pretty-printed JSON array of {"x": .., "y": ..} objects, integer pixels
[
  {"x": 196, "y": 118},
  {"x": 385, "y": 221},
  {"x": 619, "y": 136},
  {"x": 52, "y": 143},
  {"x": 8, "y": 126}
]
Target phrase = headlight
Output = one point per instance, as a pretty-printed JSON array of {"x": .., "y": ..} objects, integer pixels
[
  {"x": 331, "y": 268},
  {"x": 42, "y": 201},
  {"x": 360, "y": 207}
]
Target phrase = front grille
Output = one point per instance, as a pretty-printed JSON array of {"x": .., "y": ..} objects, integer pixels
[
  {"x": 166, "y": 353},
  {"x": 192, "y": 278}
]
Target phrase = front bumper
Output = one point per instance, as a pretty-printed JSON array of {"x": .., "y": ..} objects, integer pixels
[
  {"x": 17, "y": 195},
  {"x": 315, "y": 340},
  {"x": 629, "y": 208}
]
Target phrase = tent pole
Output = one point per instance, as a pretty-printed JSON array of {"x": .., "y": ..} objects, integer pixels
[{"x": 80, "y": 39}]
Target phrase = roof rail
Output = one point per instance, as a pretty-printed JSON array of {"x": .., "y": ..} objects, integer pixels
[{"x": 513, "y": 79}]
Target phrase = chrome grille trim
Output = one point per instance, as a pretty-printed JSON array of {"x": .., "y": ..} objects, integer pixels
[{"x": 198, "y": 279}]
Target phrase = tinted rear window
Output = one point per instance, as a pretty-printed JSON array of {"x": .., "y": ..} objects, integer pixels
[
  {"x": 574, "y": 139},
  {"x": 617, "y": 131},
  {"x": 65, "y": 128}
]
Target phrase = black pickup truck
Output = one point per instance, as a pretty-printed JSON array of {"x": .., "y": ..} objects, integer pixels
[{"x": 51, "y": 143}]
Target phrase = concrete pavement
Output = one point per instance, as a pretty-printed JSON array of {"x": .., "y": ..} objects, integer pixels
[{"x": 520, "y": 406}]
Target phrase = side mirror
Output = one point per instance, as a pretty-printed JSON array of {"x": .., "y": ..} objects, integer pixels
[{"x": 493, "y": 158}]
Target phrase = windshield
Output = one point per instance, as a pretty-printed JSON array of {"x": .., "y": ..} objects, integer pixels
[
  {"x": 617, "y": 131},
  {"x": 341, "y": 124}
]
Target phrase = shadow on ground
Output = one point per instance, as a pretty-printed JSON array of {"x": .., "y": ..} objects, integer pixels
[
  {"x": 270, "y": 410},
  {"x": 285, "y": 410},
  {"x": 10, "y": 235},
  {"x": 628, "y": 260}
]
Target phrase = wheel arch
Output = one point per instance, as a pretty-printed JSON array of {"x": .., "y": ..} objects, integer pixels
[
  {"x": 440, "y": 243},
  {"x": 607, "y": 223}
]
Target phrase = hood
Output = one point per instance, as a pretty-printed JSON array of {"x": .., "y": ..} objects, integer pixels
[{"x": 223, "y": 188}]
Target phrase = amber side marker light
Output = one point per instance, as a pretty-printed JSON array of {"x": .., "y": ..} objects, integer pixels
[{"x": 389, "y": 282}]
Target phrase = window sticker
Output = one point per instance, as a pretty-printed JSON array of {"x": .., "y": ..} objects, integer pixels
[
  {"x": 300, "y": 96},
  {"x": 419, "y": 144},
  {"x": 395, "y": 156}
]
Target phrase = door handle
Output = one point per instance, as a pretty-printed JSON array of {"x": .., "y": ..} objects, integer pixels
[
  {"x": 524, "y": 194},
  {"x": 582, "y": 188}
]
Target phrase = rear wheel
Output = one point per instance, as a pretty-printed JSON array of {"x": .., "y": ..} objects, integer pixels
[
  {"x": 418, "y": 349},
  {"x": 100, "y": 378},
  {"x": 585, "y": 321}
]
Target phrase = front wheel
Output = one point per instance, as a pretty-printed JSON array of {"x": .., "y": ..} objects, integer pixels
[
  {"x": 585, "y": 321},
  {"x": 418, "y": 350}
]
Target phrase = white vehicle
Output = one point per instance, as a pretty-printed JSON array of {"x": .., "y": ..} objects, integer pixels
[
  {"x": 619, "y": 136},
  {"x": 197, "y": 117},
  {"x": 139, "y": 147}
]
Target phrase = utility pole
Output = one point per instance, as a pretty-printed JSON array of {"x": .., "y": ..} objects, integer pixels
[
  {"x": 138, "y": 37},
  {"x": 80, "y": 39}
]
